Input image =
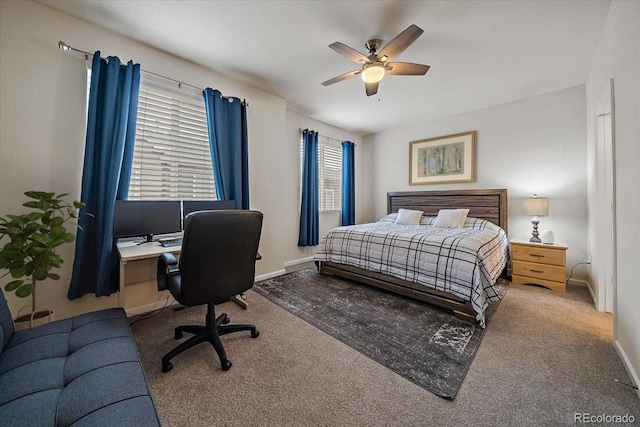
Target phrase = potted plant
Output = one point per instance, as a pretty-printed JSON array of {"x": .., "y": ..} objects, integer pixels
[{"x": 30, "y": 243}]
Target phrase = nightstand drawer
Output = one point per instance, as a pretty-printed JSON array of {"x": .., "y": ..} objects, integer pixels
[
  {"x": 538, "y": 255},
  {"x": 539, "y": 271}
]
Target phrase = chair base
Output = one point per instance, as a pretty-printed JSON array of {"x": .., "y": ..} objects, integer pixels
[{"x": 211, "y": 332}]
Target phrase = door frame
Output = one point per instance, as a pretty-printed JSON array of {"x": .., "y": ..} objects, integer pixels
[{"x": 606, "y": 295}]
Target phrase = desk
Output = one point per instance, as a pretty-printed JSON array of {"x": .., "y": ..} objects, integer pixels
[{"x": 146, "y": 255}]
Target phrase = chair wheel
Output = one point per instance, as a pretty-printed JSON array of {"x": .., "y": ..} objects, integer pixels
[
  {"x": 178, "y": 334},
  {"x": 226, "y": 320},
  {"x": 226, "y": 365},
  {"x": 255, "y": 333},
  {"x": 166, "y": 367}
]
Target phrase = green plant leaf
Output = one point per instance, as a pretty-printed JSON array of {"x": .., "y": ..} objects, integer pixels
[
  {"x": 17, "y": 219},
  {"x": 34, "y": 194},
  {"x": 41, "y": 238},
  {"x": 13, "y": 231},
  {"x": 34, "y": 216},
  {"x": 24, "y": 290},
  {"x": 31, "y": 204},
  {"x": 40, "y": 275},
  {"x": 54, "y": 276},
  {"x": 13, "y": 285},
  {"x": 78, "y": 205},
  {"x": 68, "y": 237},
  {"x": 18, "y": 271}
]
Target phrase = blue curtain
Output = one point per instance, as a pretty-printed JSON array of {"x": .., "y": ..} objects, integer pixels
[
  {"x": 108, "y": 157},
  {"x": 228, "y": 142},
  {"x": 348, "y": 215},
  {"x": 310, "y": 208}
]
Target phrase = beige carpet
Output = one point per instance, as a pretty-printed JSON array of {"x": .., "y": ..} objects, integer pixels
[{"x": 545, "y": 356}]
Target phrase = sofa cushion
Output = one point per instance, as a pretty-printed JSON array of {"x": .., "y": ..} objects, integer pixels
[
  {"x": 138, "y": 411},
  {"x": 6, "y": 323},
  {"x": 42, "y": 375},
  {"x": 84, "y": 370},
  {"x": 37, "y": 409},
  {"x": 62, "y": 338},
  {"x": 116, "y": 383}
]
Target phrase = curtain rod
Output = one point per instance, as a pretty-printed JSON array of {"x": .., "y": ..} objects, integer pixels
[
  {"x": 323, "y": 136},
  {"x": 65, "y": 47}
]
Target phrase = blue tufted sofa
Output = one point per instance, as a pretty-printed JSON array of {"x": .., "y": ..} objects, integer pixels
[{"x": 82, "y": 371}]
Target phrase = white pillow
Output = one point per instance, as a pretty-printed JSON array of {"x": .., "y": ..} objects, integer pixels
[
  {"x": 451, "y": 218},
  {"x": 408, "y": 217}
]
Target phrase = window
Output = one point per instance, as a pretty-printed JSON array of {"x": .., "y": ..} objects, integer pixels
[
  {"x": 329, "y": 173},
  {"x": 171, "y": 159}
]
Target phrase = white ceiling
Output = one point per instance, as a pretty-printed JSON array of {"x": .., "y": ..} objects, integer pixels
[{"x": 481, "y": 53}]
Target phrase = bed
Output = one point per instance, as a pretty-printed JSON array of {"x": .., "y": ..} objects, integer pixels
[{"x": 447, "y": 282}]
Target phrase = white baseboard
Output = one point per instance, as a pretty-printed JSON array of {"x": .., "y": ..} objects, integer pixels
[
  {"x": 627, "y": 365},
  {"x": 270, "y": 275},
  {"x": 585, "y": 284},
  {"x": 142, "y": 309},
  {"x": 591, "y": 291},
  {"x": 577, "y": 282},
  {"x": 298, "y": 261},
  {"x": 287, "y": 266}
]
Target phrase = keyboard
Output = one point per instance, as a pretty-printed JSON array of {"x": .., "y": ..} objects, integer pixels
[{"x": 171, "y": 241}]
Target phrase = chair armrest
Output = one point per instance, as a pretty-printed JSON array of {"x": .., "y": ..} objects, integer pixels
[{"x": 167, "y": 267}]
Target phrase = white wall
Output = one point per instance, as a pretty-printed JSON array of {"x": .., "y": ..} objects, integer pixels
[
  {"x": 618, "y": 57},
  {"x": 42, "y": 119},
  {"x": 535, "y": 145},
  {"x": 328, "y": 220}
]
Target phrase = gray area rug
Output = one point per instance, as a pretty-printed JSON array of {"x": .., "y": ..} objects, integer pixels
[{"x": 423, "y": 343}]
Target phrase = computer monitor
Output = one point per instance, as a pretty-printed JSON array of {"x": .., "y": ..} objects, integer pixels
[
  {"x": 189, "y": 206},
  {"x": 146, "y": 218}
]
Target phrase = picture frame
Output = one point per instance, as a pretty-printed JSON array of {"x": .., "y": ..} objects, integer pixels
[{"x": 445, "y": 159}]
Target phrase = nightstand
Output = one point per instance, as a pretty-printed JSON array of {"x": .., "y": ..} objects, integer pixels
[{"x": 539, "y": 264}]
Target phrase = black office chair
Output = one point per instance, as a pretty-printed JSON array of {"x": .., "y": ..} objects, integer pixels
[{"x": 217, "y": 261}]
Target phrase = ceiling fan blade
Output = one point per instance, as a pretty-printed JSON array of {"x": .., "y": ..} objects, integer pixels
[
  {"x": 371, "y": 88},
  {"x": 396, "y": 46},
  {"x": 407, "y": 69},
  {"x": 341, "y": 77},
  {"x": 349, "y": 52}
]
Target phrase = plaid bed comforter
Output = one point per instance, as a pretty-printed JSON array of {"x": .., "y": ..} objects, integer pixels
[{"x": 465, "y": 262}]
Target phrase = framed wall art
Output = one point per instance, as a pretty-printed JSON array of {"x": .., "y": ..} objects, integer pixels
[{"x": 444, "y": 159}]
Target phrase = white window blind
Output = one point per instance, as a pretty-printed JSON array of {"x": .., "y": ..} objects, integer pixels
[
  {"x": 171, "y": 158},
  {"x": 329, "y": 174}
]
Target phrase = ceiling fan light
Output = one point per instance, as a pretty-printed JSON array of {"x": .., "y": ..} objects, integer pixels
[{"x": 372, "y": 73}]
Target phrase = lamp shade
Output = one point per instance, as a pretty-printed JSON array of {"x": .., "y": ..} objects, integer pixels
[
  {"x": 372, "y": 73},
  {"x": 536, "y": 206}
]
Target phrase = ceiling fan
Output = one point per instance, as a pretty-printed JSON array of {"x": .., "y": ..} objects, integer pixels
[{"x": 376, "y": 65}]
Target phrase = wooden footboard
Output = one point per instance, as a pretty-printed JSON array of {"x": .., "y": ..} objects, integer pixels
[{"x": 461, "y": 309}]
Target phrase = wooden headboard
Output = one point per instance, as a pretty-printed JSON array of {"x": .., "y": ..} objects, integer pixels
[{"x": 486, "y": 204}]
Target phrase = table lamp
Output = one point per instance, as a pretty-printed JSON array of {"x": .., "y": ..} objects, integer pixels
[{"x": 535, "y": 207}]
